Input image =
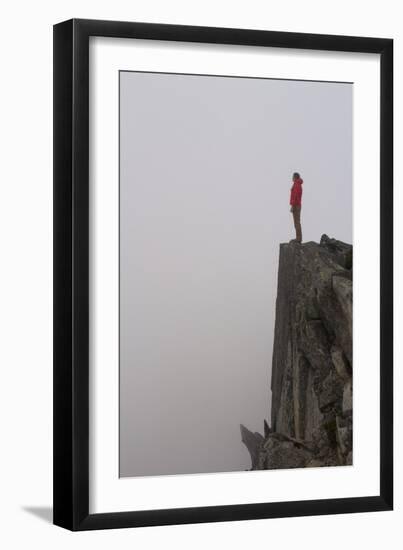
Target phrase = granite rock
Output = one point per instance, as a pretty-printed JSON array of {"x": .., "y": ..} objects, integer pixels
[{"x": 311, "y": 379}]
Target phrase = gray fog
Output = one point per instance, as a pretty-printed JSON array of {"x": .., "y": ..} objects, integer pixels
[{"x": 205, "y": 175}]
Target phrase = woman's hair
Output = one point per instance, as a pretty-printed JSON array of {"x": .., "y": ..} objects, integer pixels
[{"x": 296, "y": 175}]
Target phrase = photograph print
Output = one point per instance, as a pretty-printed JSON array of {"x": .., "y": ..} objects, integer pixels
[{"x": 235, "y": 266}]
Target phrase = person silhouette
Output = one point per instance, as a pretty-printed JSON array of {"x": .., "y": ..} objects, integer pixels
[{"x": 295, "y": 202}]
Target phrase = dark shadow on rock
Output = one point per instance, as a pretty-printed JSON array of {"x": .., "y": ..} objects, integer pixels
[{"x": 44, "y": 513}]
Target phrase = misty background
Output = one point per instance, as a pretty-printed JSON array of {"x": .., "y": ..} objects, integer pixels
[{"x": 205, "y": 175}]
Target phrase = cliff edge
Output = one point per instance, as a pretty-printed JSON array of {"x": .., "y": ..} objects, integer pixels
[{"x": 311, "y": 383}]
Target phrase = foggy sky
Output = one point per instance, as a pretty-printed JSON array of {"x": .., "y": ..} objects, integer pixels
[{"x": 205, "y": 176}]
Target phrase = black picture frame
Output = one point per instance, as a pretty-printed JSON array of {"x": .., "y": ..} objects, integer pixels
[{"x": 71, "y": 274}]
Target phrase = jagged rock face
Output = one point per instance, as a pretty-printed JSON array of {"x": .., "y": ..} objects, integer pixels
[{"x": 311, "y": 415}]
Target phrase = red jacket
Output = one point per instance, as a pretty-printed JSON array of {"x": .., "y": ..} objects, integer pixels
[{"x": 296, "y": 192}]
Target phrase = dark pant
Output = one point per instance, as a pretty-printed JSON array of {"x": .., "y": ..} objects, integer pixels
[{"x": 296, "y": 212}]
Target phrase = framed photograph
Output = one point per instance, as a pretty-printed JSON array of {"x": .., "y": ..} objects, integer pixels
[{"x": 220, "y": 195}]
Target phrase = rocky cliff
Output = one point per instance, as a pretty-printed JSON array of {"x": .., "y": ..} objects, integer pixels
[{"x": 311, "y": 385}]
